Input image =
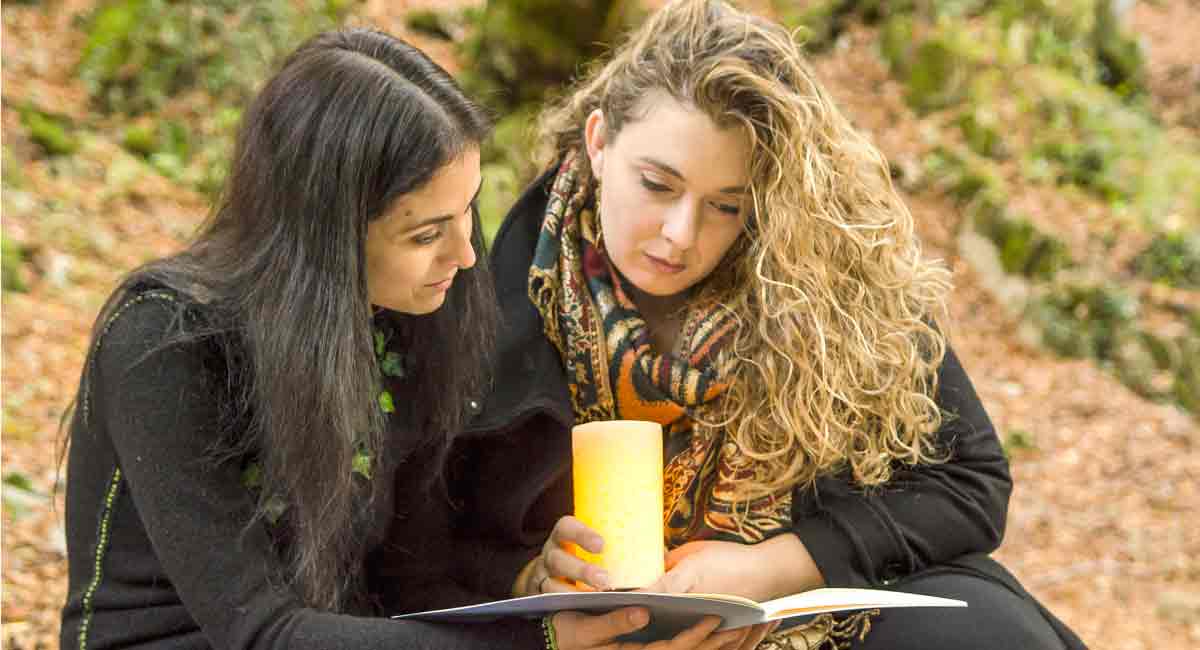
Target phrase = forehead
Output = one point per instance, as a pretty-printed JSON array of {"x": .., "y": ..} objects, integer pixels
[
  {"x": 688, "y": 140},
  {"x": 448, "y": 192}
]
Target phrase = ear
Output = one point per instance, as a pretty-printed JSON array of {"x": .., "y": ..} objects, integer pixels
[{"x": 594, "y": 136}]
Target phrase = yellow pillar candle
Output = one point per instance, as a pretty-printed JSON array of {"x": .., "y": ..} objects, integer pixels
[{"x": 618, "y": 476}]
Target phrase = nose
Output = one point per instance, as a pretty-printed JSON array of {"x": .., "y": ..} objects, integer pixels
[
  {"x": 681, "y": 223},
  {"x": 462, "y": 253}
]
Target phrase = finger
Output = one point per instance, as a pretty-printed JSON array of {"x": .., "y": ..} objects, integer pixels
[
  {"x": 557, "y": 586},
  {"x": 727, "y": 640},
  {"x": 575, "y": 630},
  {"x": 560, "y": 563},
  {"x": 571, "y": 530},
  {"x": 755, "y": 636}
]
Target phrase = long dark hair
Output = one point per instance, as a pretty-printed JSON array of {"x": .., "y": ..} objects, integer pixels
[{"x": 354, "y": 119}]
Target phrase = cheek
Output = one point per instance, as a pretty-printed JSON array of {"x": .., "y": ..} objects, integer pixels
[
  {"x": 718, "y": 241},
  {"x": 627, "y": 224}
]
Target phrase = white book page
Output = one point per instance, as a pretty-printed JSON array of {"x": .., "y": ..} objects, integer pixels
[{"x": 822, "y": 601}]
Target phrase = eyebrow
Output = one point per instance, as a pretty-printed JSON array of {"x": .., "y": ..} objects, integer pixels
[
  {"x": 443, "y": 218},
  {"x": 733, "y": 189}
]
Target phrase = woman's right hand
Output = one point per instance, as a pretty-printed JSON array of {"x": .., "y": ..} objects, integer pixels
[
  {"x": 577, "y": 631},
  {"x": 556, "y": 567}
]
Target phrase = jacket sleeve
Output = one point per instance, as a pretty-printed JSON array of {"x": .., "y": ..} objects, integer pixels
[
  {"x": 159, "y": 407},
  {"x": 510, "y": 492},
  {"x": 927, "y": 514}
]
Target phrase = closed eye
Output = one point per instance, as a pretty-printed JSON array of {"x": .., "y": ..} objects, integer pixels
[
  {"x": 654, "y": 187},
  {"x": 426, "y": 238}
]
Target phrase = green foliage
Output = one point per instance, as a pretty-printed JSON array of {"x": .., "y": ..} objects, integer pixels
[
  {"x": 1101, "y": 321},
  {"x": 429, "y": 22},
  {"x": 19, "y": 495},
  {"x": 1018, "y": 440},
  {"x": 139, "y": 53},
  {"x": 1117, "y": 152},
  {"x": 12, "y": 174},
  {"x": 165, "y": 144},
  {"x": 12, "y": 256},
  {"x": 51, "y": 131},
  {"x": 1086, "y": 320},
  {"x": 520, "y": 52},
  {"x": 1173, "y": 258},
  {"x": 940, "y": 68},
  {"x": 508, "y": 166},
  {"x": 142, "y": 54}
]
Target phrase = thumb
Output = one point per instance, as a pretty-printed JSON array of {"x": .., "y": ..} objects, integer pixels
[
  {"x": 575, "y": 630},
  {"x": 678, "y": 580}
]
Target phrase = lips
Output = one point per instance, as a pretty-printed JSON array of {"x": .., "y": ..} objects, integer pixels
[
  {"x": 663, "y": 266},
  {"x": 442, "y": 285}
]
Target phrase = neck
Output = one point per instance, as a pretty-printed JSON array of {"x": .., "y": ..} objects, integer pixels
[{"x": 664, "y": 317}]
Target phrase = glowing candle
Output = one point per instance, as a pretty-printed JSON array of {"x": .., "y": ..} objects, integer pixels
[{"x": 618, "y": 476}]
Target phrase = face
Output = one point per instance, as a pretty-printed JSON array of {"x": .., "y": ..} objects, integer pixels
[
  {"x": 416, "y": 248},
  {"x": 674, "y": 194}
]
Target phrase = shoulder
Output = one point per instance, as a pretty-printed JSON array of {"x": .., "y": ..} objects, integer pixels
[
  {"x": 512, "y": 249},
  {"x": 145, "y": 320}
]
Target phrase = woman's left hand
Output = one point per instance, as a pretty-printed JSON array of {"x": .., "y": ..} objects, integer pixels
[
  {"x": 717, "y": 568},
  {"x": 776, "y": 567}
]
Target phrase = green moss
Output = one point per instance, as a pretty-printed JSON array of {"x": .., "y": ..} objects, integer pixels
[
  {"x": 12, "y": 257},
  {"x": 50, "y": 131},
  {"x": 1089, "y": 137},
  {"x": 1018, "y": 440},
  {"x": 820, "y": 22},
  {"x": 896, "y": 44},
  {"x": 1186, "y": 386},
  {"x": 139, "y": 53},
  {"x": 981, "y": 130},
  {"x": 1024, "y": 250},
  {"x": 12, "y": 172},
  {"x": 936, "y": 75},
  {"x": 966, "y": 176},
  {"x": 1173, "y": 258},
  {"x": 429, "y": 22},
  {"x": 1085, "y": 320}
]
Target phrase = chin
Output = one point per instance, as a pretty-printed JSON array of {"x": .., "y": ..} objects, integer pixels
[{"x": 417, "y": 308}]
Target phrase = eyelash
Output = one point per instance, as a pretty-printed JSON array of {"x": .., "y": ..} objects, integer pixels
[
  {"x": 426, "y": 239},
  {"x": 657, "y": 188}
]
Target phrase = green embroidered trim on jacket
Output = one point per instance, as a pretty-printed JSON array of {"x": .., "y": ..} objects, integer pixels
[
  {"x": 87, "y": 390},
  {"x": 110, "y": 496}
]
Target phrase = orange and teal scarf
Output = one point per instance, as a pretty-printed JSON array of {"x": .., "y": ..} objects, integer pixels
[{"x": 613, "y": 372}]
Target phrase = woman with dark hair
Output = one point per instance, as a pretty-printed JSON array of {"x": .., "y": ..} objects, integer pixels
[{"x": 255, "y": 448}]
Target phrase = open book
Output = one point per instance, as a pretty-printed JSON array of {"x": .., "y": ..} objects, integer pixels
[{"x": 672, "y": 613}]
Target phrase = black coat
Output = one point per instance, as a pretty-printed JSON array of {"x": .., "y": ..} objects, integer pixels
[
  {"x": 513, "y": 478},
  {"x": 160, "y": 555}
]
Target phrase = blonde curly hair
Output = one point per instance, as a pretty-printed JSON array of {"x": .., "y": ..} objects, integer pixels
[{"x": 834, "y": 365}]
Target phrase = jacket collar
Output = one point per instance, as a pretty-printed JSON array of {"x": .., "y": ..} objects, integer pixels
[{"x": 528, "y": 375}]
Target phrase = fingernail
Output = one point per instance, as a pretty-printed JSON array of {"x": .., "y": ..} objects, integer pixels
[
  {"x": 639, "y": 617},
  {"x": 597, "y": 544},
  {"x": 602, "y": 581}
]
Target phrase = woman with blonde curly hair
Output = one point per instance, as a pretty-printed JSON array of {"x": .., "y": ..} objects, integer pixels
[{"x": 715, "y": 248}]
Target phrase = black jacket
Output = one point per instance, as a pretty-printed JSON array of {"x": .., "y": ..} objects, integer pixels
[
  {"x": 513, "y": 481},
  {"x": 159, "y": 553},
  {"x": 513, "y": 475}
]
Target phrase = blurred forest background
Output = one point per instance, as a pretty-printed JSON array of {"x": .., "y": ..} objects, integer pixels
[{"x": 1050, "y": 151}]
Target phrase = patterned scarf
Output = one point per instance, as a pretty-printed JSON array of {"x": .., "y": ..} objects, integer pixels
[{"x": 613, "y": 374}]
